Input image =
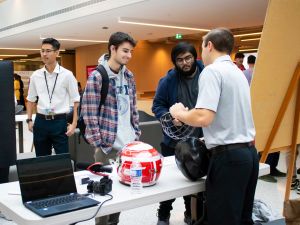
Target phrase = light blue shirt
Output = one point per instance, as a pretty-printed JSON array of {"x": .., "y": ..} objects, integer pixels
[
  {"x": 248, "y": 75},
  {"x": 224, "y": 90}
]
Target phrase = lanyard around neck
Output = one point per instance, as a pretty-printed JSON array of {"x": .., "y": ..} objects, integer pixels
[{"x": 50, "y": 96}]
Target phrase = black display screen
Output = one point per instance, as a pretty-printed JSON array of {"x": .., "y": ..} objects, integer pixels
[{"x": 46, "y": 176}]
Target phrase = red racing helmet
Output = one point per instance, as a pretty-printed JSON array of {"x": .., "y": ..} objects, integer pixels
[{"x": 146, "y": 155}]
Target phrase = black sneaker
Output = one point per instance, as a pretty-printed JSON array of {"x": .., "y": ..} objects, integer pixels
[
  {"x": 163, "y": 221},
  {"x": 298, "y": 171},
  {"x": 298, "y": 190},
  {"x": 268, "y": 178},
  {"x": 295, "y": 184},
  {"x": 187, "y": 219},
  {"x": 277, "y": 173}
]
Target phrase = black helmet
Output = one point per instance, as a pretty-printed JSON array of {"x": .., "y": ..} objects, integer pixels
[{"x": 191, "y": 158}]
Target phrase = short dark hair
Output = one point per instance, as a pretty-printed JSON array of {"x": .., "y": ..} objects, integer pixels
[
  {"x": 118, "y": 38},
  {"x": 182, "y": 47},
  {"x": 221, "y": 38},
  {"x": 239, "y": 55},
  {"x": 251, "y": 59},
  {"x": 51, "y": 41}
]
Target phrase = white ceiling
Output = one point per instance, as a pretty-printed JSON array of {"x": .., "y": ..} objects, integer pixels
[{"x": 80, "y": 24}]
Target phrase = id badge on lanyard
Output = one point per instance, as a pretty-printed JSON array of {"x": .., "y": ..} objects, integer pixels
[{"x": 50, "y": 111}]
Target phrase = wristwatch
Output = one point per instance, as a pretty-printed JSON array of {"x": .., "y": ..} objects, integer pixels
[{"x": 28, "y": 120}]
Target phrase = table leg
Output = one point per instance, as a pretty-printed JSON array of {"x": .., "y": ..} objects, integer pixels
[{"x": 21, "y": 145}]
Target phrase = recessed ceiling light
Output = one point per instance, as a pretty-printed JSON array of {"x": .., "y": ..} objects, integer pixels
[
  {"x": 13, "y": 55},
  {"x": 151, "y": 23},
  {"x": 76, "y": 40},
  {"x": 248, "y": 50},
  {"x": 248, "y": 34},
  {"x": 27, "y": 49},
  {"x": 251, "y": 39}
]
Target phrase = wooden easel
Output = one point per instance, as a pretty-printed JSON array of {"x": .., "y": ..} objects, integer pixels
[{"x": 294, "y": 84}]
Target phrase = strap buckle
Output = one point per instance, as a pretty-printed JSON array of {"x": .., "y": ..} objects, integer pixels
[{"x": 49, "y": 117}]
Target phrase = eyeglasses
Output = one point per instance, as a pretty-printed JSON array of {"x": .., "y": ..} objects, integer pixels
[
  {"x": 186, "y": 59},
  {"x": 47, "y": 51}
]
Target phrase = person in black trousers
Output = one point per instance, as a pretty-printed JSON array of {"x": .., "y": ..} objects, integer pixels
[
  {"x": 272, "y": 160},
  {"x": 56, "y": 90},
  {"x": 223, "y": 110}
]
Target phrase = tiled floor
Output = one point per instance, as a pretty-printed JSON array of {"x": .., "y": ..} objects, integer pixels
[{"x": 271, "y": 193}]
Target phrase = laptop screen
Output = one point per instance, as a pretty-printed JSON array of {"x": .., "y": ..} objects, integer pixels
[{"x": 46, "y": 176}]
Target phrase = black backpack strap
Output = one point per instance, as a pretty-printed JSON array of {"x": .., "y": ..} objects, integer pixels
[
  {"x": 105, "y": 83},
  {"x": 104, "y": 91}
]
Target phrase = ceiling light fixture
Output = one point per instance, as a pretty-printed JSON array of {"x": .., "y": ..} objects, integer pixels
[
  {"x": 76, "y": 40},
  {"x": 131, "y": 21},
  {"x": 29, "y": 49},
  {"x": 251, "y": 39},
  {"x": 26, "y": 49},
  {"x": 248, "y": 50},
  {"x": 13, "y": 55},
  {"x": 249, "y": 34}
]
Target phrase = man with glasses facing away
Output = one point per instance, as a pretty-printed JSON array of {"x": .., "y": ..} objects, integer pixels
[
  {"x": 179, "y": 85},
  {"x": 55, "y": 88},
  {"x": 223, "y": 110}
]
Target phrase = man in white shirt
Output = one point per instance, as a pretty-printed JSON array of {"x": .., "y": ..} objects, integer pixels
[
  {"x": 223, "y": 110},
  {"x": 53, "y": 87}
]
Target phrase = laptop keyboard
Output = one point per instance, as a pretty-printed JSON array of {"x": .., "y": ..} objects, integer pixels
[{"x": 55, "y": 201}]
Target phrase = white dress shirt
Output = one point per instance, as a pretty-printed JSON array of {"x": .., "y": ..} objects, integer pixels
[
  {"x": 224, "y": 90},
  {"x": 65, "y": 90}
]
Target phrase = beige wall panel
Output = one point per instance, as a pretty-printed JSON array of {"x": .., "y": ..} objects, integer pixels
[
  {"x": 68, "y": 62},
  {"x": 150, "y": 61},
  {"x": 87, "y": 56},
  {"x": 279, "y": 53}
]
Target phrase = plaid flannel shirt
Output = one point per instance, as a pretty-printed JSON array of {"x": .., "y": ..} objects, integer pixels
[{"x": 101, "y": 127}]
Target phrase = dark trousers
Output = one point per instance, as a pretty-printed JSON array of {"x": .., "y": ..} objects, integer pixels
[
  {"x": 48, "y": 134},
  {"x": 165, "y": 207},
  {"x": 4, "y": 173},
  {"x": 272, "y": 160},
  {"x": 230, "y": 186}
]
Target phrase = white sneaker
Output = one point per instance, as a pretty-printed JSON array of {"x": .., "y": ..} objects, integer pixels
[{"x": 295, "y": 184}]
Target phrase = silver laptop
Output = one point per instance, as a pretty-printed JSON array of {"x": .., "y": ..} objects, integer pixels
[{"x": 48, "y": 186}]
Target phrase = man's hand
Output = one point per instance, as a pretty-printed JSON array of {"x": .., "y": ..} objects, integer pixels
[
  {"x": 71, "y": 129},
  {"x": 176, "y": 109},
  {"x": 177, "y": 123},
  {"x": 30, "y": 126}
]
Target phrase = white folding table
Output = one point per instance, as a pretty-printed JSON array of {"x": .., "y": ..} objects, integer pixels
[{"x": 171, "y": 184}]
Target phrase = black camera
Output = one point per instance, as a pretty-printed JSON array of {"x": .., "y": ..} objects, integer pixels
[{"x": 103, "y": 187}]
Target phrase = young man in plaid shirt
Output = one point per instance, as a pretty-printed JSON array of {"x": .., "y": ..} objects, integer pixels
[{"x": 117, "y": 122}]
